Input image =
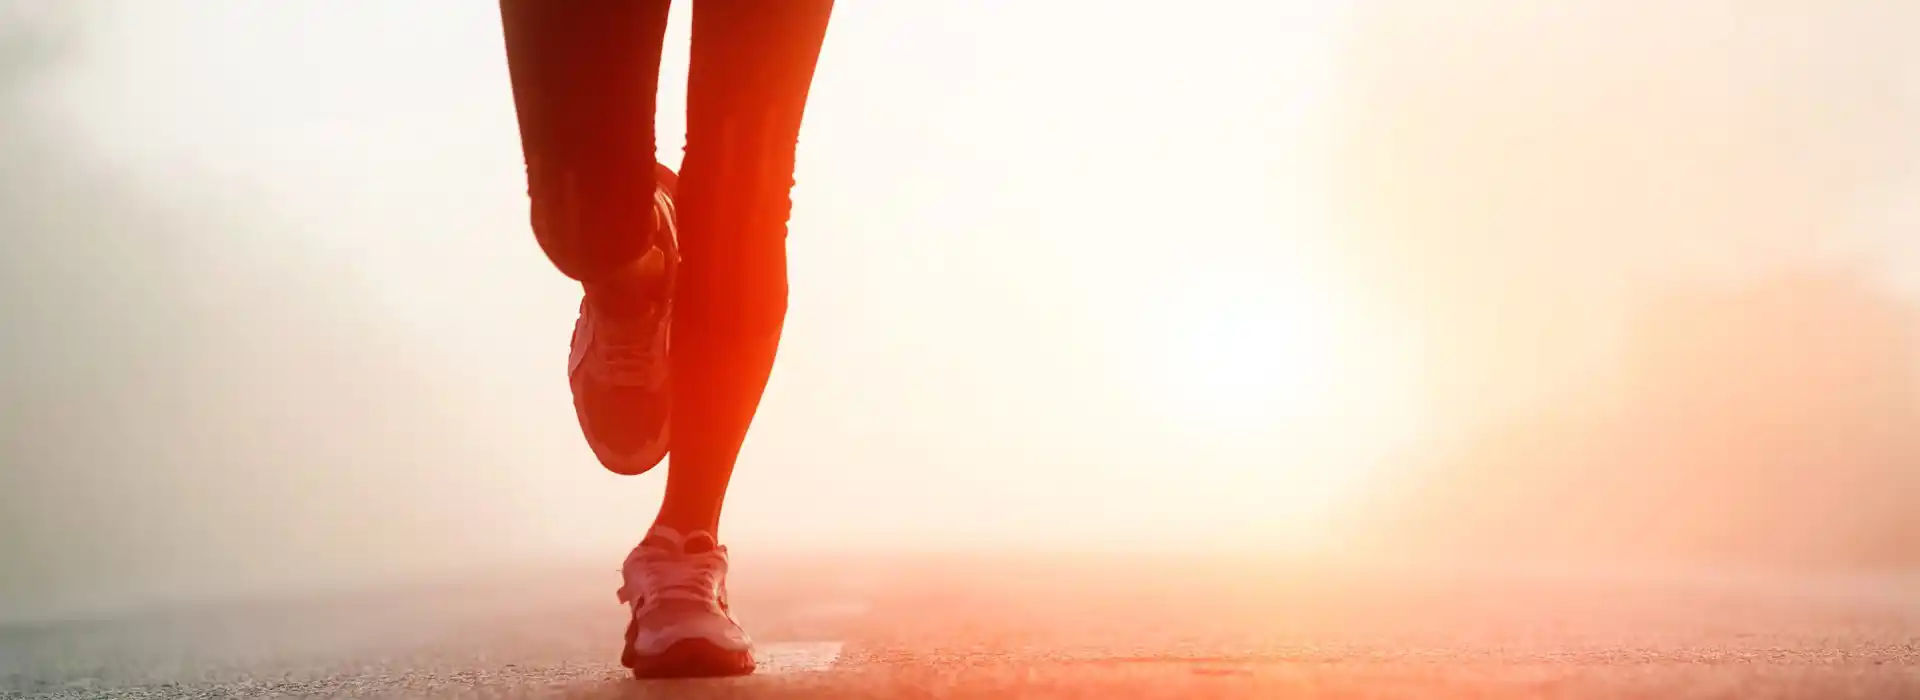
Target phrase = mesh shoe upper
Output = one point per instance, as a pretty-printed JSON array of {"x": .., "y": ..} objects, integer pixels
[
  {"x": 675, "y": 586},
  {"x": 618, "y": 364}
]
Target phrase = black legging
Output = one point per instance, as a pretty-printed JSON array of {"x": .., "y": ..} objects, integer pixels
[{"x": 585, "y": 74}]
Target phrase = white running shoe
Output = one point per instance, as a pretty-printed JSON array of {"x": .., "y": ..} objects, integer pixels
[{"x": 675, "y": 587}]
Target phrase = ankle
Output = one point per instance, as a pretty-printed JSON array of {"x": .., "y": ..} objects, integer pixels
[
  {"x": 687, "y": 523},
  {"x": 633, "y": 287}
]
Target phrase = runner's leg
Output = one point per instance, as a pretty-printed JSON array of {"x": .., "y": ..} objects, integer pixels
[
  {"x": 584, "y": 75},
  {"x": 752, "y": 66}
]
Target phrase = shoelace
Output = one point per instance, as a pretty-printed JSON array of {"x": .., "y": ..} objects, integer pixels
[
  {"x": 626, "y": 349},
  {"x": 664, "y": 575}
]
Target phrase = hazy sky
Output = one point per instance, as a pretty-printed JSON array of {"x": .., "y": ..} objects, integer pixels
[
  {"x": 1024, "y": 233},
  {"x": 1509, "y": 173},
  {"x": 1063, "y": 272}
]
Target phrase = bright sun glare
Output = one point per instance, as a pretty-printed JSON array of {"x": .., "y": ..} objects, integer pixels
[
  {"x": 1231, "y": 359},
  {"x": 1284, "y": 402}
]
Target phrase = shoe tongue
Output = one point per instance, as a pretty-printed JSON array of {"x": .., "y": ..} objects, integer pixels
[
  {"x": 672, "y": 542},
  {"x": 657, "y": 541}
]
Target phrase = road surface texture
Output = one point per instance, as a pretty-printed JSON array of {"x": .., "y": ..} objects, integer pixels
[{"x": 954, "y": 627}]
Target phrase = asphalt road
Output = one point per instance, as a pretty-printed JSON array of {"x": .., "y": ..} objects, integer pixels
[{"x": 998, "y": 627}]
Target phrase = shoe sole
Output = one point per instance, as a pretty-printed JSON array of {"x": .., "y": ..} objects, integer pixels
[{"x": 687, "y": 658}]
